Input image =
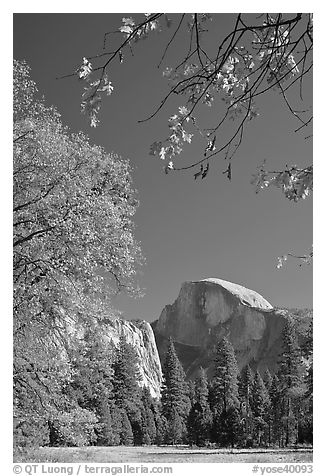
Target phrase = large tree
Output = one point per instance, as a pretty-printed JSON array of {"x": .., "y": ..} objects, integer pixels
[
  {"x": 246, "y": 383},
  {"x": 126, "y": 376},
  {"x": 260, "y": 409},
  {"x": 73, "y": 244},
  {"x": 225, "y": 379},
  {"x": 175, "y": 399},
  {"x": 200, "y": 415},
  {"x": 291, "y": 375}
]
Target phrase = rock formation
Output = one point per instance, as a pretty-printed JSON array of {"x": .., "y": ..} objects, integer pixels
[
  {"x": 206, "y": 311},
  {"x": 140, "y": 335}
]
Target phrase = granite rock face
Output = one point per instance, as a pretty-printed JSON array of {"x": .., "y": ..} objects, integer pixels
[
  {"x": 140, "y": 335},
  {"x": 208, "y": 310}
]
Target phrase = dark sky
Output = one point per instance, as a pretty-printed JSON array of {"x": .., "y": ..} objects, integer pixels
[{"x": 188, "y": 229}]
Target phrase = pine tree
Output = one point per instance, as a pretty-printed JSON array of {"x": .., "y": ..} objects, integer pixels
[
  {"x": 161, "y": 426},
  {"x": 126, "y": 434},
  {"x": 224, "y": 393},
  {"x": 260, "y": 409},
  {"x": 308, "y": 346},
  {"x": 105, "y": 432},
  {"x": 306, "y": 423},
  {"x": 291, "y": 381},
  {"x": 225, "y": 379},
  {"x": 228, "y": 427},
  {"x": 191, "y": 392},
  {"x": 126, "y": 388},
  {"x": 126, "y": 376},
  {"x": 116, "y": 418},
  {"x": 200, "y": 416},
  {"x": 175, "y": 400},
  {"x": 175, "y": 431},
  {"x": 134, "y": 413},
  {"x": 276, "y": 409},
  {"x": 268, "y": 379},
  {"x": 306, "y": 420},
  {"x": 148, "y": 420},
  {"x": 246, "y": 382},
  {"x": 91, "y": 386}
]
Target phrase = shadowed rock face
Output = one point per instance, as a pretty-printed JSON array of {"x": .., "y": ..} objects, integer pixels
[{"x": 208, "y": 310}]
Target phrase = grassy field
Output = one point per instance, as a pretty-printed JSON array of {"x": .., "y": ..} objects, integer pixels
[{"x": 163, "y": 454}]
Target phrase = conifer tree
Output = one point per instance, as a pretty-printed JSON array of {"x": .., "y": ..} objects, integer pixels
[
  {"x": 175, "y": 400},
  {"x": 276, "y": 411},
  {"x": 175, "y": 430},
  {"x": 109, "y": 426},
  {"x": 126, "y": 376},
  {"x": 116, "y": 419},
  {"x": 148, "y": 420},
  {"x": 161, "y": 426},
  {"x": 306, "y": 423},
  {"x": 228, "y": 427},
  {"x": 225, "y": 384},
  {"x": 126, "y": 389},
  {"x": 246, "y": 382},
  {"x": 268, "y": 379},
  {"x": 225, "y": 394},
  {"x": 200, "y": 416},
  {"x": 309, "y": 382},
  {"x": 291, "y": 381},
  {"x": 260, "y": 409},
  {"x": 126, "y": 434},
  {"x": 91, "y": 385},
  {"x": 191, "y": 392}
]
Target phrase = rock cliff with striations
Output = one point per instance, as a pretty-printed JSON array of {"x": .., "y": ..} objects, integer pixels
[
  {"x": 140, "y": 335},
  {"x": 210, "y": 309}
]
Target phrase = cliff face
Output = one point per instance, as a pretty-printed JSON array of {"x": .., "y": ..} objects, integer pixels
[
  {"x": 208, "y": 310},
  {"x": 140, "y": 335}
]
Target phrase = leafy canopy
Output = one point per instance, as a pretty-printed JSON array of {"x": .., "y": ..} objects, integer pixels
[{"x": 73, "y": 244}]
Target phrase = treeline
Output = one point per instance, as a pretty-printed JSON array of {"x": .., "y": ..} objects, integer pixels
[
  {"x": 101, "y": 401},
  {"x": 242, "y": 409}
]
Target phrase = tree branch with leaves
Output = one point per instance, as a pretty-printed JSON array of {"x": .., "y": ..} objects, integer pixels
[{"x": 259, "y": 55}]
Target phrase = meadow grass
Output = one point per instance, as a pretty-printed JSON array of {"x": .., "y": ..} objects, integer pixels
[{"x": 161, "y": 454}]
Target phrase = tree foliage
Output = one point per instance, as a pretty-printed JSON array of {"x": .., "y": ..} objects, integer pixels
[
  {"x": 175, "y": 399},
  {"x": 200, "y": 415},
  {"x": 260, "y": 409},
  {"x": 225, "y": 379},
  {"x": 291, "y": 377},
  {"x": 246, "y": 383},
  {"x": 73, "y": 247},
  {"x": 126, "y": 376},
  {"x": 260, "y": 54},
  {"x": 228, "y": 427}
]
